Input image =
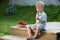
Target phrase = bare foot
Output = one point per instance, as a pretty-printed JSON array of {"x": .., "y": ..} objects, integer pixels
[
  {"x": 34, "y": 37},
  {"x": 30, "y": 38}
]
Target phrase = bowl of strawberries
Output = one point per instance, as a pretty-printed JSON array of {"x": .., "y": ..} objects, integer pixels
[{"x": 21, "y": 24}]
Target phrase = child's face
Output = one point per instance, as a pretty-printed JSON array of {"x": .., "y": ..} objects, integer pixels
[{"x": 39, "y": 9}]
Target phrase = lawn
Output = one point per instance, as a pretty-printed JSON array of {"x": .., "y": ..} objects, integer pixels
[{"x": 26, "y": 13}]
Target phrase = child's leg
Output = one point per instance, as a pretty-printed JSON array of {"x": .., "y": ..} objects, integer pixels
[
  {"x": 29, "y": 32},
  {"x": 37, "y": 31}
]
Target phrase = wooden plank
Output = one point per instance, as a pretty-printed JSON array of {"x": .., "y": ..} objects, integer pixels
[
  {"x": 23, "y": 32},
  {"x": 19, "y": 32}
]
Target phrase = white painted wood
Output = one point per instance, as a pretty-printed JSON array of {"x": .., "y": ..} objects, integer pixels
[
  {"x": 53, "y": 27},
  {"x": 11, "y": 37}
]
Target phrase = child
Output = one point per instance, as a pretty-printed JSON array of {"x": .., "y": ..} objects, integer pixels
[{"x": 40, "y": 24}]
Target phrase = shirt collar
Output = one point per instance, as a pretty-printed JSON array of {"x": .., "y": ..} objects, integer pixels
[{"x": 39, "y": 13}]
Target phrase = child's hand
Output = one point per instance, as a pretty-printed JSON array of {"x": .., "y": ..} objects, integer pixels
[{"x": 37, "y": 18}]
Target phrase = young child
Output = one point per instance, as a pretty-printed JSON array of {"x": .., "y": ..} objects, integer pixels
[{"x": 40, "y": 24}]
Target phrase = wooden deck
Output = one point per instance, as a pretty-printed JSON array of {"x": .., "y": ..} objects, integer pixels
[{"x": 18, "y": 33}]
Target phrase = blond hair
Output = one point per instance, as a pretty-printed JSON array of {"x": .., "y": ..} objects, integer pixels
[{"x": 40, "y": 4}]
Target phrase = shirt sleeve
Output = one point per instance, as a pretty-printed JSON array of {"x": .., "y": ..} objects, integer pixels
[{"x": 44, "y": 18}]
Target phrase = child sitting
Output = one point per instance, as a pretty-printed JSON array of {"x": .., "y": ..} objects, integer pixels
[{"x": 41, "y": 19}]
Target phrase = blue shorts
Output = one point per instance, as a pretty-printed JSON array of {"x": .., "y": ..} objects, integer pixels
[{"x": 33, "y": 26}]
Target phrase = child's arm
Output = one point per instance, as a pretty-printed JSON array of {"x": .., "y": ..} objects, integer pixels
[{"x": 40, "y": 20}]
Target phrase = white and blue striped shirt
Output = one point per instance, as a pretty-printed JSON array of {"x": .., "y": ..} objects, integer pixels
[{"x": 42, "y": 16}]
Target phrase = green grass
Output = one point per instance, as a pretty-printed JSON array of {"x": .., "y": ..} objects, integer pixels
[
  {"x": 53, "y": 13},
  {"x": 26, "y": 13}
]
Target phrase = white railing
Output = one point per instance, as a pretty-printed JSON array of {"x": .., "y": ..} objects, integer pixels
[{"x": 53, "y": 27}]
